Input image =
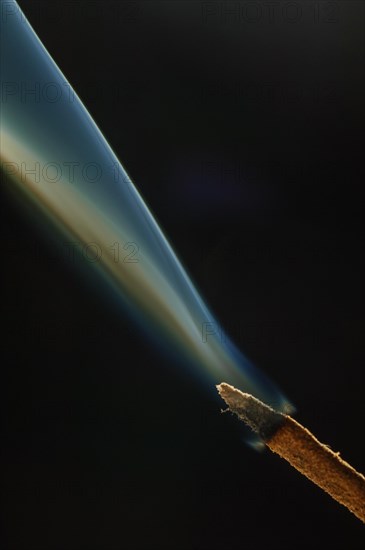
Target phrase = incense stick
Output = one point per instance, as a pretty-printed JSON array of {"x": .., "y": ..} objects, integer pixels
[{"x": 290, "y": 440}]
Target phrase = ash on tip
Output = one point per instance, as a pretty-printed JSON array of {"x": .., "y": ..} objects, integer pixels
[{"x": 261, "y": 418}]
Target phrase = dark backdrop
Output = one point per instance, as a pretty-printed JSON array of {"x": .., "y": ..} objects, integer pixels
[{"x": 241, "y": 124}]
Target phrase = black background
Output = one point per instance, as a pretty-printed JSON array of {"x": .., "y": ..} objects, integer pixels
[{"x": 244, "y": 135}]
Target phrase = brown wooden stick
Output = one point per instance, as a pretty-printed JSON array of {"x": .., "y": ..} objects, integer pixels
[{"x": 290, "y": 440}]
